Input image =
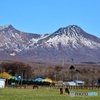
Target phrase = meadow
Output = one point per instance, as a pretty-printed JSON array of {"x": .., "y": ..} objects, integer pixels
[{"x": 44, "y": 94}]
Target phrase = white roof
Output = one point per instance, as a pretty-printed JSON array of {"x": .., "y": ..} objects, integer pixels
[
  {"x": 2, "y": 79},
  {"x": 79, "y": 81},
  {"x": 71, "y": 83}
]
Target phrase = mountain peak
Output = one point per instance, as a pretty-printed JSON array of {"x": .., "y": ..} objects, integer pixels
[
  {"x": 5, "y": 26},
  {"x": 67, "y": 42},
  {"x": 74, "y": 27},
  {"x": 70, "y": 30}
]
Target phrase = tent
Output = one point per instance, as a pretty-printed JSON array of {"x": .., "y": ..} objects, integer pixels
[
  {"x": 39, "y": 79},
  {"x": 43, "y": 80},
  {"x": 5, "y": 75},
  {"x": 48, "y": 80},
  {"x": 13, "y": 77}
]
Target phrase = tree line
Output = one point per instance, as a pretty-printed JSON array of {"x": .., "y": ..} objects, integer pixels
[
  {"x": 87, "y": 73},
  {"x": 16, "y": 69}
]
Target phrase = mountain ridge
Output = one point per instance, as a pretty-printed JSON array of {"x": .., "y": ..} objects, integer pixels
[{"x": 70, "y": 42}]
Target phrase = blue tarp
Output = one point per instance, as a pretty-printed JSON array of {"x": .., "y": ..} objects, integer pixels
[{"x": 39, "y": 79}]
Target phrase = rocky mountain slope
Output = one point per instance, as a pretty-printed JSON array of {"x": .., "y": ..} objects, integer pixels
[{"x": 63, "y": 45}]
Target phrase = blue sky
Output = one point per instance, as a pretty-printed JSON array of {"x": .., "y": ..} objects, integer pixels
[{"x": 46, "y": 16}]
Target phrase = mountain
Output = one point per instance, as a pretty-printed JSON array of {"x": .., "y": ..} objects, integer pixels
[{"x": 68, "y": 44}]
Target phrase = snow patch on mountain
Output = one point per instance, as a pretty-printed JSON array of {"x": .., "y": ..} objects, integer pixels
[
  {"x": 3, "y": 27},
  {"x": 71, "y": 36},
  {"x": 13, "y": 54},
  {"x": 71, "y": 42}
]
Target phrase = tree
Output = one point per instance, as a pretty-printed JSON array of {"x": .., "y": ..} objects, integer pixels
[
  {"x": 57, "y": 73},
  {"x": 17, "y": 68},
  {"x": 72, "y": 70}
]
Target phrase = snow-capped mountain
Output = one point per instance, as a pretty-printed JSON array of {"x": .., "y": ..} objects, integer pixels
[{"x": 65, "y": 44}]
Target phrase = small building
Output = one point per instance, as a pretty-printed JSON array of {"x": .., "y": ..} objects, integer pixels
[
  {"x": 2, "y": 83},
  {"x": 74, "y": 83},
  {"x": 71, "y": 83},
  {"x": 79, "y": 82}
]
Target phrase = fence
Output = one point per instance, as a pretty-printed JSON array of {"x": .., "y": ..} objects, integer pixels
[
  {"x": 72, "y": 87},
  {"x": 83, "y": 87},
  {"x": 57, "y": 87}
]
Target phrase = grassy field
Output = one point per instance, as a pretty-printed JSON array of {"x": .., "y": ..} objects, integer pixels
[{"x": 44, "y": 94}]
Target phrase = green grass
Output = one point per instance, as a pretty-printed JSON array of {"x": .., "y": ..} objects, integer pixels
[{"x": 43, "y": 94}]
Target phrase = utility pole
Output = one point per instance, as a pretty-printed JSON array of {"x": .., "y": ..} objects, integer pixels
[
  {"x": 63, "y": 62},
  {"x": 22, "y": 79},
  {"x": 55, "y": 76},
  {"x": 72, "y": 61}
]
